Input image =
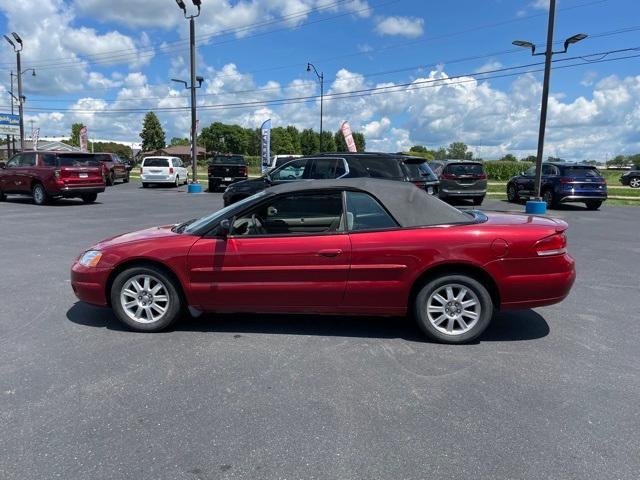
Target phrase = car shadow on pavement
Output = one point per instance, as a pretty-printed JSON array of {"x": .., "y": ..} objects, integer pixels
[
  {"x": 59, "y": 202},
  {"x": 505, "y": 327},
  {"x": 562, "y": 207}
]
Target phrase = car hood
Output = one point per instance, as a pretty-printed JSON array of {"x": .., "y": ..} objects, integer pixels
[
  {"x": 139, "y": 235},
  {"x": 508, "y": 218}
]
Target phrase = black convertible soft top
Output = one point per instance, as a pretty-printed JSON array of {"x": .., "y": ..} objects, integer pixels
[{"x": 409, "y": 205}]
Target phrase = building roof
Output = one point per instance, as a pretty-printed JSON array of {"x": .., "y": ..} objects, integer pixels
[
  {"x": 409, "y": 205},
  {"x": 180, "y": 150},
  {"x": 50, "y": 146}
]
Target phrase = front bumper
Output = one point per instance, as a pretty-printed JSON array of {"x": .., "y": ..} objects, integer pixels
[{"x": 89, "y": 283}]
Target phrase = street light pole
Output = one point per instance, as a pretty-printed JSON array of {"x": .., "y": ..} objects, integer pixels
[
  {"x": 321, "y": 79},
  {"x": 192, "y": 88},
  {"x": 18, "y": 49},
  {"x": 536, "y": 206}
]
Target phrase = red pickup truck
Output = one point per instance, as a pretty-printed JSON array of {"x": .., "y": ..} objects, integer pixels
[
  {"x": 113, "y": 168},
  {"x": 49, "y": 175}
]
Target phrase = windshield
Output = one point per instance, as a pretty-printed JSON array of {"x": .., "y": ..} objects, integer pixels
[
  {"x": 229, "y": 160},
  {"x": 581, "y": 172},
  {"x": 155, "y": 162},
  {"x": 76, "y": 161},
  {"x": 196, "y": 225},
  {"x": 464, "y": 169},
  {"x": 420, "y": 171}
]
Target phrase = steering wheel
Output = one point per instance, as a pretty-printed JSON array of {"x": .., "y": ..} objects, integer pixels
[{"x": 257, "y": 226}]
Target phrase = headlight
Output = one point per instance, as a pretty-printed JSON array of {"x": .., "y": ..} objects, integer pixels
[{"x": 90, "y": 258}]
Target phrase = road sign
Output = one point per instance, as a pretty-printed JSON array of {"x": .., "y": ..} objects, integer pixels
[{"x": 9, "y": 124}]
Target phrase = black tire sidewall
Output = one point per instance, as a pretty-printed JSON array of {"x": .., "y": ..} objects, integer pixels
[
  {"x": 552, "y": 202},
  {"x": 44, "y": 194},
  {"x": 89, "y": 197},
  {"x": 175, "y": 300},
  {"x": 513, "y": 198},
  {"x": 483, "y": 296}
]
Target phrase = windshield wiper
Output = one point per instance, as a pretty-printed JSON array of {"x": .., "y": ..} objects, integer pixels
[{"x": 181, "y": 226}]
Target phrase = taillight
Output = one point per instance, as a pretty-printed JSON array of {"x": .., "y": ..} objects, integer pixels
[
  {"x": 244, "y": 170},
  {"x": 566, "y": 180},
  {"x": 447, "y": 176},
  {"x": 419, "y": 184},
  {"x": 170, "y": 169},
  {"x": 555, "y": 244},
  {"x": 482, "y": 176}
]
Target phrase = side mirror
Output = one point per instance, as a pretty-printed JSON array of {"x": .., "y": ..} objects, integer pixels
[{"x": 225, "y": 227}]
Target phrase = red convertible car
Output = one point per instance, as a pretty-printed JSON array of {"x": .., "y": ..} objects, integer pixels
[{"x": 357, "y": 246}]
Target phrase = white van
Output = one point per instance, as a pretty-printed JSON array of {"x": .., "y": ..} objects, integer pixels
[{"x": 167, "y": 170}]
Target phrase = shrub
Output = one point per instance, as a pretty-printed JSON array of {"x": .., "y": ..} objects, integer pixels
[{"x": 501, "y": 171}]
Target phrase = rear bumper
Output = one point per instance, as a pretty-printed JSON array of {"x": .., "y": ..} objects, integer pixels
[
  {"x": 71, "y": 192},
  {"x": 158, "y": 178},
  {"x": 89, "y": 284},
  {"x": 462, "y": 193},
  {"x": 533, "y": 282},
  {"x": 221, "y": 180},
  {"x": 583, "y": 197}
]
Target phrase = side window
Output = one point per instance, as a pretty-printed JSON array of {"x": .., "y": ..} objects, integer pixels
[
  {"x": 177, "y": 162},
  {"x": 48, "y": 160},
  {"x": 14, "y": 162},
  {"x": 530, "y": 172},
  {"x": 356, "y": 170},
  {"x": 28, "y": 160},
  {"x": 290, "y": 171},
  {"x": 298, "y": 214},
  {"x": 549, "y": 170},
  {"x": 381, "y": 167},
  {"x": 323, "y": 169},
  {"x": 365, "y": 213}
]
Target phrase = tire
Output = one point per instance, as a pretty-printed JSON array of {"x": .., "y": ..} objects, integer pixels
[
  {"x": 477, "y": 201},
  {"x": 141, "y": 314},
  {"x": 145, "y": 185},
  {"x": 110, "y": 180},
  {"x": 177, "y": 182},
  {"x": 126, "y": 178},
  {"x": 212, "y": 187},
  {"x": 39, "y": 194},
  {"x": 634, "y": 182},
  {"x": 593, "y": 204},
  {"x": 512, "y": 193},
  {"x": 478, "y": 316},
  {"x": 549, "y": 198},
  {"x": 3, "y": 197},
  {"x": 89, "y": 197}
]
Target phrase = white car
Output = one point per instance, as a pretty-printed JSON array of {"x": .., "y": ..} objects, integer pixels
[{"x": 168, "y": 170}]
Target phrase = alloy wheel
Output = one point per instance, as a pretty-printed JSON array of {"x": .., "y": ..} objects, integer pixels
[
  {"x": 635, "y": 182},
  {"x": 547, "y": 196},
  {"x": 39, "y": 195},
  {"x": 144, "y": 298},
  {"x": 453, "y": 309},
  {"x": 511, "y": 193}
]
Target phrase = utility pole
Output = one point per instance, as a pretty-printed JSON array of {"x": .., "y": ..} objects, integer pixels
[
  {"x": 537, "y": 205},
  {"x": 194, "y": 187},
  {"x": 321, "y": 79}
]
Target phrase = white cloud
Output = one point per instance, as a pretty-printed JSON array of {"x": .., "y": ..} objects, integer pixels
[
  {"x": 411, "y": 27},
  {"x": 490, "y": 66}
]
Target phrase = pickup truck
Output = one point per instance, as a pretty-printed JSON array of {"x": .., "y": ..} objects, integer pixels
[
  {"x": 46, "y": 176},
  {"x": 226, "y": 169},
  {"x": 113, "y": 168}
]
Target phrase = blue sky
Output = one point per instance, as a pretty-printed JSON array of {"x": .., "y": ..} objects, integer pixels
[{"x": 105, "y": 62}]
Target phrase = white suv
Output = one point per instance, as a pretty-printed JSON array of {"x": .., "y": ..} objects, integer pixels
[{"x": 163, "y": 170}]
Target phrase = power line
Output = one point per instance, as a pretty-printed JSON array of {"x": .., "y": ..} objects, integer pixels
[{"x": 496, "y": 73}]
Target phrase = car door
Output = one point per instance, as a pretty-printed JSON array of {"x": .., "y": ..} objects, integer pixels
[
  {"x": 8, "y": 175},
  {"x": 380, "y": 263},
  {"x": 549, "y": 174},
  {"x": 526, "y": 182},
  {"x": 180, "y": 168},
  {"x": 290, "y": 252},
  {"x": 25, "y": 172}
]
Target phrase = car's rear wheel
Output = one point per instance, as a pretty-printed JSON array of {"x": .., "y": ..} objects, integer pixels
[
  {"x": 453, "y": 309},
  {"x": 39, "y": 194},
  {"x": 3, "y": 197},
  {"x": 477, "y": 201},
  {"x": 177, "y": 182},
  {"x": 549, "y": 198},
  {"x": 89, "y": 197},
  {"x": 110, "y": 179},
  {"x": 512, "y": 193},
  {"x": 593, "y": 204},
  {"x": 145, "y": 185},
  {"x": 634, "y": 182},
  {"x": 212, "y": 187},
  {"x": 145, "y": 299}
]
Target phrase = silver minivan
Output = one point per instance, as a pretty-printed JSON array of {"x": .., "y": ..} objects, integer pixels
[{"x": 461, "y": 179}]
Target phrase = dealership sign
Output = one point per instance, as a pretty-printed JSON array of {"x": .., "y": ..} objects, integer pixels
[{"x": 9, "y": 124}]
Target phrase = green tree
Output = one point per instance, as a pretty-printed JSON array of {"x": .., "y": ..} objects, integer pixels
[
  {"x": 281, "y": 142},
  {"x": 294, "y": 134},
  {"x": 153, "y": 137},
  {"x": 328, "y": 142},
  {"x": 123, "y": 151},
  {"x": 441, "y": 154},
  {"x": 458, "y": 150},
  {"x": 179, "y": 142},
  {"x": 418, "y": 148},
  {"x": 309, "y": 142},
  {"x": 361, "y": 143},
  {"x": 341, "y": 144},
  {"x": 509, "y": 158},
  {"x": 530, "y": 158},
  {"x": 75, "y": 134}
]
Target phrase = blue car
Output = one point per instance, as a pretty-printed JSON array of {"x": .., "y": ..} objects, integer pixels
[{"x": 561, "y": 183}]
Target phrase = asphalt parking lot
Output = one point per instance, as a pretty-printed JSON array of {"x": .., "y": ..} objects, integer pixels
[{"x": 546, "y": 393}]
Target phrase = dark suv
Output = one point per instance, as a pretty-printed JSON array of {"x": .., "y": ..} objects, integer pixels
[
  {"x": 113, "y": 168},
  {"x": 340, "y": 165},
  {"x": 226, "y": 169},
  {"x": 461, "y": 179},
  {"x": 561, "y": 183},
  {"x": 49, "y": 175},
  {"x": 631, "y": 178}
]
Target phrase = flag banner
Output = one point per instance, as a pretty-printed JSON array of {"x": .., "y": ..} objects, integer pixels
[
  {"x": 265, "y": 145},
  {"x": 84, "y": 139},
  {"x": 348, "y": 137},
  {"x": 35, "y": 136}
]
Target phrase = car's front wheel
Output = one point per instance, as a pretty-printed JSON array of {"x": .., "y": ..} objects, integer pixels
[
  {"x": 145, "y": 185},
  {"x": 145, "y": 299},
  {"x": 512, "y": 193},
  {"x": 3, "y": 197},
  {"x": 634, "y": 182},
  {"x": 126, "y": 178},
  {"x": 549, "y": 198},
  {"x": 453, "y": 309},
  {"x": 110, "y": 179},
  {"x": 177, "y": 182}
]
